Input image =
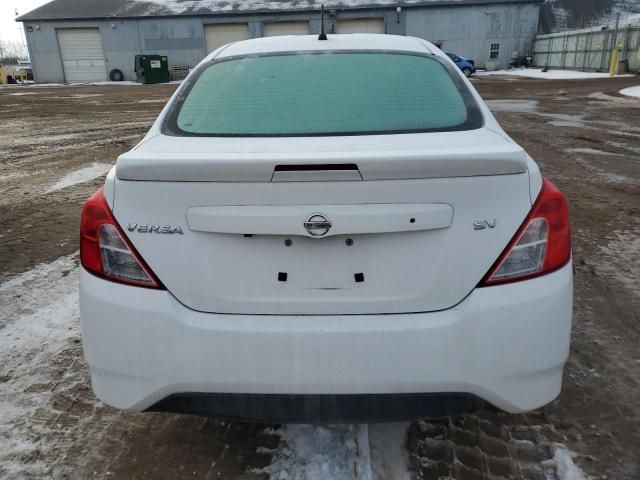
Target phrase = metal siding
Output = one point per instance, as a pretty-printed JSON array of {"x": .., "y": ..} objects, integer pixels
[
  {"x": 470, "y": 30},
  {"x": 360, "y": 25},
  {"x": 159, "y": 37}
]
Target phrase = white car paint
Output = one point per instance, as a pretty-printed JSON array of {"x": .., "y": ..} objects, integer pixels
[{"x": 416, "y": 324}]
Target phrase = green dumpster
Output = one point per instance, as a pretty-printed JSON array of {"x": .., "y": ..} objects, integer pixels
[{"x": 152, "y": 69}]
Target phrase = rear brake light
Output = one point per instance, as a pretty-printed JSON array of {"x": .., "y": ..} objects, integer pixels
[
  {"x": 540, "y": 246},
  {"x": 104, "y": 249}
]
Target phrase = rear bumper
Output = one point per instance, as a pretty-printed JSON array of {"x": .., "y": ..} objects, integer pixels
[{"x": 505, "y": 345}]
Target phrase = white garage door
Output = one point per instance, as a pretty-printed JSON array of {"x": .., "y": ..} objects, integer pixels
[
  {"x": 219, "y": 35},
  {"x": 271, "y": 29},
  {"x": 361, "y": 25},
  {"x": 82, "y": 55}
]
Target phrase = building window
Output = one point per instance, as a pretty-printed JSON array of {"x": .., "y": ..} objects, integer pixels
[{"x": 494, "y": 51}]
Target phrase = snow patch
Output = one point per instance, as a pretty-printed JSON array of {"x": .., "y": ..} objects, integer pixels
[
  {"x": 566, "y": 469},
  {"x": 118, "y": 84},
  {"x": 85, "y": 174},
  {"x": 83, "y": 95},
  {"x": 565, "y": 120},
  {"x": 591, "y": 151},
  {"x": 309, "y": 452},
  {"x": 38, "y": 318},
  {"x": 388, "y": 453},
  {"x": 631, "y": 92},
  {"x": 564, "y": 124},
  {"x": 180, "y": 7},
  {"x": 530, "y": 106},
  {"x": 625, "y": 146},
  {"x": 622, "y": 258},
  {"x": 340, "y": 452},
  {"x": 550, "y": 75}
]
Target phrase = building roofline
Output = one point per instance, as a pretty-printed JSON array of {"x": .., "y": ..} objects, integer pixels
[{"x": 30, "y": 17}]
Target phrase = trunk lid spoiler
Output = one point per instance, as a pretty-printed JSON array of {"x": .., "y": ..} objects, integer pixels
[{"x": 434, "y": 155}]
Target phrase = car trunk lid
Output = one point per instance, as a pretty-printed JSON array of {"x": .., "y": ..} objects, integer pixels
[{"x": 392, "y": 233}]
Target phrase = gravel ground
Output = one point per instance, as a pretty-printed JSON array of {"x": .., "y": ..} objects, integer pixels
[{"x": 57, "y": 143}]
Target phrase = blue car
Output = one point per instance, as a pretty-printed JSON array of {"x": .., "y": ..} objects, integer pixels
[{"x": 467, "y": 66}]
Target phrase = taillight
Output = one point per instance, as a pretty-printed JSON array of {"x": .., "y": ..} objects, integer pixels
[
  {"x": 105, "y": 250},
  {"x": 541, "y": 245}
]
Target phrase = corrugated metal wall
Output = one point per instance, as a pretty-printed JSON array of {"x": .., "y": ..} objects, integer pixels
[
  {"x": 588, "y": 49},
  {"x": 468, "y": 30},
  {"x": 471, "y": 30}
]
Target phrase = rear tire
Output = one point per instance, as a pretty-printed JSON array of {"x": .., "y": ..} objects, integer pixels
[
  {"x": 116, "y": 75},
  {"x": 467, "y": 72}
]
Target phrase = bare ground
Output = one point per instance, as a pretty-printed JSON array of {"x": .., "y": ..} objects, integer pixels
[{"x": 585, "y": 137}]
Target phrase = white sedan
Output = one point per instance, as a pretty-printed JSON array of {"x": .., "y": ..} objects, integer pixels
[{"x": 326, "y": 230}]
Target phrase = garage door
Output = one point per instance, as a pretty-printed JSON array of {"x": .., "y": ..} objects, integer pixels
[
  {"x": 82, "y": 55},
  {"x": 271, "y": 29},
  {"x": 361, "y": 25},
  {"x": 219, "y": 35}
]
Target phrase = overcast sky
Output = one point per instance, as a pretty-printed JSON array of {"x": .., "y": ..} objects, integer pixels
[{"x": 9, "y": 29}]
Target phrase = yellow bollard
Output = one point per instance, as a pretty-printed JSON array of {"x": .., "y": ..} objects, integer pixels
[{"x": 614, "y": 62}]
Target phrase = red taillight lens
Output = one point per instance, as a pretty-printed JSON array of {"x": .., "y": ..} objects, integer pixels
[
  {"x": 541, "y": 245},
  {"x": 105, "y": 250}
]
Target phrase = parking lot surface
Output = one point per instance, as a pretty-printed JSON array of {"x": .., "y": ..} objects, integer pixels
[{"x": 56, "y": 144}]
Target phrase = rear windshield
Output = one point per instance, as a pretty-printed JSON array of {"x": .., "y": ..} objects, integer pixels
[{"x": 326, "y": 93}]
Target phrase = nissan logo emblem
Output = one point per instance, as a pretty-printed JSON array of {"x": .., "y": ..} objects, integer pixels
[{"x": 317, "y": 225}]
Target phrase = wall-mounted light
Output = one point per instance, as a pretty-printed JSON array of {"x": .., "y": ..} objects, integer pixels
[
  {"x": 398, "y": 11},
  {"x": 113, "y": 26}
]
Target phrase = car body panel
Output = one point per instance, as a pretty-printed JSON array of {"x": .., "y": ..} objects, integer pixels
[
  {"x": 405, "y": 271},
  {"x": 505, "y": 344}
]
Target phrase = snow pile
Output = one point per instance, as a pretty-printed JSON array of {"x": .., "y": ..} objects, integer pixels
[
  {"x": 309, "y": 452},
  {"x": 340, "y": 452},
  {"x": 82, "y": 175},
  {"x": 38, "y": 318},
  {"x": 631, "y": 91},
  {"x": 566, "y": 469},
  {"x": 550, "y": 75}
]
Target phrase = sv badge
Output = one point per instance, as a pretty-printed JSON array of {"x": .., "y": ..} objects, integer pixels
[{"x": 484, "y": 224}]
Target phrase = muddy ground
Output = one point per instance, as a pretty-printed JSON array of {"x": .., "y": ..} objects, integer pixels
[{"x": 585, "y": 137}]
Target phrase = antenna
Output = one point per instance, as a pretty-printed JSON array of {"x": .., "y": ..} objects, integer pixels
[{"x": 322, "y": 36}]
